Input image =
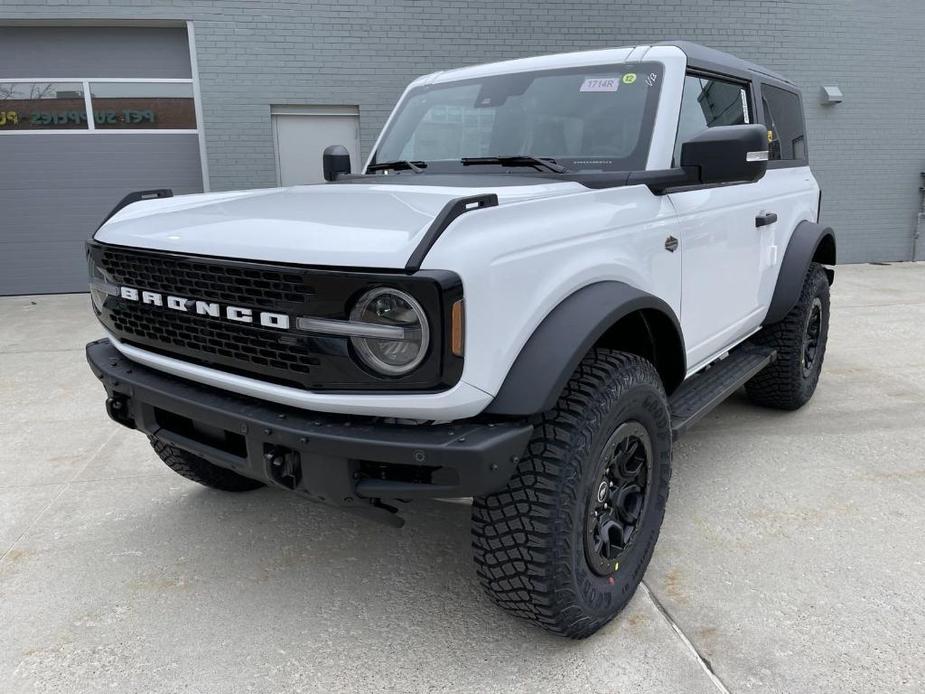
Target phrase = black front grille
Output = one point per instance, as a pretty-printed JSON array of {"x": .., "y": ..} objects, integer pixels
[
  {"x": 282, "y": 356},
  {"x": 267, "y": 288},
  {"x": 247, "y": 347}
]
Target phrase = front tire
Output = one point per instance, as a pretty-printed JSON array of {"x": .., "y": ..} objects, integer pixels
[
  {"x": 566, "y": 543},
  {"x": 800, "y": 340},
  {"x": 200, "y": 470}
]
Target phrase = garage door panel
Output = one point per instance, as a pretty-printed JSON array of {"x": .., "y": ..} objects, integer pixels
[
  {"x": 62, "y": 161},
  {"x": 58, "y": 188},
  {"x": 152, "y": 52},
  {"x": 59, "y": 177},
  {"x": 49, "y": 265},
  {"x": 52, "y": 218}
]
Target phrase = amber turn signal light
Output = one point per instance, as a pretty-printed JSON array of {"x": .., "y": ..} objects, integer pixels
[{"x": 458, "y": 324}]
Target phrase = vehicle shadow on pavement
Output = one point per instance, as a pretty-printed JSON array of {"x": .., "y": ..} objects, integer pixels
[
  {"x": 265, "y": 587},
  {"x": 291, "y": 551}
]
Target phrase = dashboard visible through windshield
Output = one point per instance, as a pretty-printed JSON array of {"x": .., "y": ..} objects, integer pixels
[{"x": 585, "y": 119}]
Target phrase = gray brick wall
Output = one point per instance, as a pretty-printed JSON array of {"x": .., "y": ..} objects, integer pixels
[{"x": 866, "y": 152}]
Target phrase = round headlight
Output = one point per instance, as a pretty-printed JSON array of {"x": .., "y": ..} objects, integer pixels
[{"x": 405, "y": 349}]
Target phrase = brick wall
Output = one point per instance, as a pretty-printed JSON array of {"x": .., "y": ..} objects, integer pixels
[{"x": 866, "y": 152}]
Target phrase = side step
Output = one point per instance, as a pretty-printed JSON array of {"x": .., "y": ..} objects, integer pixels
[{"x": 705, "y": 390}]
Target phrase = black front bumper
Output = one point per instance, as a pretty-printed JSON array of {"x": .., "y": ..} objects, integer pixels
[{"x": 340, "y": 460}]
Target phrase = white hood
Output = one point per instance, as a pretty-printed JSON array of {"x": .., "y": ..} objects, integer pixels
[{"x": 374, "y": 225}]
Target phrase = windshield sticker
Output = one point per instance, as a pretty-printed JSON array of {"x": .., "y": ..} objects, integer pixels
[
  {"x": 651, "y": 79},
  {"x": 629, "y": 78},
  {"x": 600, "y": 84}
]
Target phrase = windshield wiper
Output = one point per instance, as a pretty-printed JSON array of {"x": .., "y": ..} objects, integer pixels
[
  {"x": 416, "y": 166},
  {"x": 542, "y": 163}
]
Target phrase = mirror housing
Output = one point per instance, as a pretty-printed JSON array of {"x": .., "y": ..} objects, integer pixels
[
  {"x": 335, "y": 161},
  {"x": 727, "y": 154},
  {"x": 724, "y": 154}
]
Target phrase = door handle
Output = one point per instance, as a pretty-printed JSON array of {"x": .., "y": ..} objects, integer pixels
[{"x": 763, "y": 220}]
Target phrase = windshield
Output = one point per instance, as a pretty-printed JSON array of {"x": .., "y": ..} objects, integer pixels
[{"x": 591, "y": 118}]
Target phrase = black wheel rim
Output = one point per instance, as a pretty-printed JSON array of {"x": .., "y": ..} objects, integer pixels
[
  {"x": 618, "y": 496},
  {"x": 811, "y": 337}
]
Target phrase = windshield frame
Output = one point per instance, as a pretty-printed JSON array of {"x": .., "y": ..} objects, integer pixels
[{"x": 635, "y": 160}]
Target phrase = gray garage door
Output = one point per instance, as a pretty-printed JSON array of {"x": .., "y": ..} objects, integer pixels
[{"x": 87, "y": 114}]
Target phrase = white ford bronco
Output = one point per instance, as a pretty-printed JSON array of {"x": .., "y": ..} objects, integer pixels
[{"x": 547, "y": 270}]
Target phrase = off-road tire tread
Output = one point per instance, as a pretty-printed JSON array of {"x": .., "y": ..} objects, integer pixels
[
  {"x": 197, "y": 469},
  {"x": 522, "y": 539},
  {"x": 781, "y": 385}
]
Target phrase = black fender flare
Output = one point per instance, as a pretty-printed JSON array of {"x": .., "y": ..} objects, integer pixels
[
  {"x": 554, "y": 350},
  {"x": 810, "y": 241}
]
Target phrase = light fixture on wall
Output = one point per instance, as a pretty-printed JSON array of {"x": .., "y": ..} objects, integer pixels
[{"x": 831, "y": 95}]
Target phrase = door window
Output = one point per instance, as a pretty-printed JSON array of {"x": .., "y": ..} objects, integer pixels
[
  {"x": 706, "y": 103},
  {"x": 783, "y": 116}
]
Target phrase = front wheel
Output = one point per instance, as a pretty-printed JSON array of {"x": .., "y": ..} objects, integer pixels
[
  {"x": 200, "y": 470},
  {"x": 566, "y": 543},
  {"x": 800, "y": 340}
]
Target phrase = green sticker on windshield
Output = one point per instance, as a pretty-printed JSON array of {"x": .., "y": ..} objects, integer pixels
[{"x": 629, "y": 78}]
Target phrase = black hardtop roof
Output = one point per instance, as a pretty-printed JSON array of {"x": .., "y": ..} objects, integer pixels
[{"x": 712, "y": 60}]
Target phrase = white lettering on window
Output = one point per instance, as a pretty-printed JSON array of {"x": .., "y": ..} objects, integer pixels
[{"x": 600, "y": 84}]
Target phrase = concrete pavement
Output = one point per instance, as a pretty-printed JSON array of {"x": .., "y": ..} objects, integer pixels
[{"x": 791, "y": 560}]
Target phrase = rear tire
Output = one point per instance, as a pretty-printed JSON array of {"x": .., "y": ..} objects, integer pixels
[
  {"x": 566, "y": 543},
  {"x": 800, "y": 340},
  {"x": 200, "y": 470}
]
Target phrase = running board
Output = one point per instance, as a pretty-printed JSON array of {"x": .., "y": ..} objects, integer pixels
[{"x": 705, "y": 390}]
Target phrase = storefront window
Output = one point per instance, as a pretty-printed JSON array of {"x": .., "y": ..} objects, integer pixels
[
  {"x": 42, "y": 106},
  {"x": 143, "y": 105}
]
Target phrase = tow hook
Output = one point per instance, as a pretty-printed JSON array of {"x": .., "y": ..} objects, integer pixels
[
  {"x": 117, "y": 408},
  {"x": 284, "y": 466}
]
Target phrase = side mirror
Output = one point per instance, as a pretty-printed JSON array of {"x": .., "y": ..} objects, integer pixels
[
  {"x": 335, "y": 161},
  {"x": 727, "y": 154},
  {"x": 724, "y": 154}
]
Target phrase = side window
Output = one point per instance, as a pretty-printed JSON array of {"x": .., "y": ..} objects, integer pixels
[
  {"x": 708, "y": 102},
  {"x": 783, "y": 116}
]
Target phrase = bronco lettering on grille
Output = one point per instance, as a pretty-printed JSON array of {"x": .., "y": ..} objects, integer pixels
[{"x": 206, "y": 308}]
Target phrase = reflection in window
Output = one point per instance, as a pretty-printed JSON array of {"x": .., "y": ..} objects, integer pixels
[
  {"x": 587, "y": 118},
  {"x": 721, "y": 103},
  {"x": 143, "y": 105},
  {"x": 707, "y": 103},
  {"x": 447, "y": 129},
  {"x": 783, "y": 116},
  {"x": 42, "y": 106}
]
